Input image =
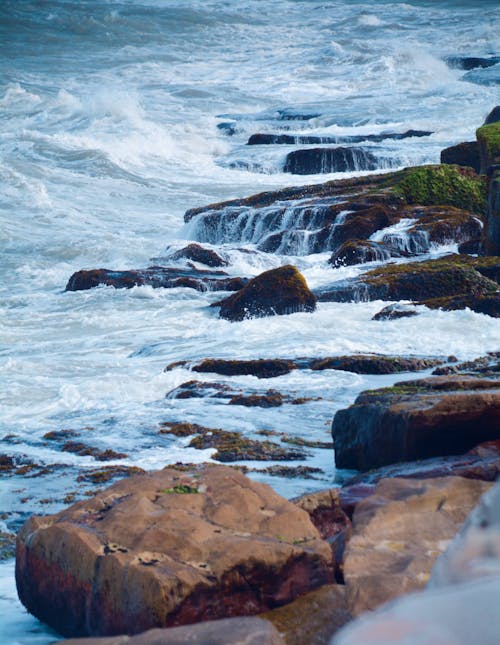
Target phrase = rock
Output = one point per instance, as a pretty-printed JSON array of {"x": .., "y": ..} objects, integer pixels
[
  {"x": 463, "y": 154},
  {"x": 358, "y": 252},
  {"x": 471, "y": 62},
  {"x": 312, "y": 161},
  {"x": 197, "y": 253},
  {"x": 482, "y": 462},
  {"x": 82, "y": 449},
  {"x": 313, "y": 618},
  {"x": 156, "y": 277},
  {"x": 375, "y": 364},
  {"x": 493, "y": 116},
  {"x": 326, "y": 513},
  {"x": 486, "y": 76},
  {"x": 452, "y": 275},
  {"x": 228, "y": 631},
  {"x": 399, "y": 531},
  {"x": 270, "y": 399},
  {"x": 201, "y": 390},
  {"x": 433, "y": 417},
  {"x": 262, "y": 367},
  {"x": 168, "y": 548},
  {"x": 228, "y": 127},
  {"x": 488, "y": 304},
  {"x": 457, "y": 615},
  {"x": 492, "y": 234},
  {"x": 276, "y": 292},
  {"x": 298, "y": 139},
  {"x": 395, "y": 311},
  {"x": 488, "y": 139}
]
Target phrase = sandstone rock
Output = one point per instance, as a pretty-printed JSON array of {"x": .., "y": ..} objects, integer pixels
[
  {"x": 228, "y": 631},
  {"x": 463, "y": 154},
  {"x": 399, "y": 531},
  {"x": 156, "y": 277},
  {"x": 275, "y": 292},
  {"x": 432, "y": 417},
  {"x": 168, "y": 548},
  {"x": 313, "y": 618},
  {"x": 375, "y": 364},
  {"x": 312, "y": 161}
]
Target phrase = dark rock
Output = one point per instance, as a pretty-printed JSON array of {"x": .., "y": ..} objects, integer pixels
[
  {"x": 262, "y": 367},
  {"x": 313, "y": 618},
  {"x": 200, "y": 390},
  {"x": 82, "y": 449},
  {"x": 375, "y": 364},
  {"x": 197, "y": 253},
  {"x": 299, "y": 139},
  {"x": 291, "y": 472},
  {"x": 106, "y": 474},
  {"x": 488, "y": 303},
  {"x": 463, "y": 154},
  {"x": 493, "y": 116},
  {"x": 471, "y": 62},
  {"x": 276, "y": 292},
  {"x": 471, "y": 247},
  {"x": 188, "y": 545},
  {"x": 271, "y": 399},
  {"x": 228, "y": 128},
  {"x": 431, "y": 417},
  {"x": 488, "y": 139},
  {"x": 454, "y": 275},
  {"x": 156, "y": 277},
  {"x": 358, "y": 252},
  {"x": 493, "y": 218},
  {"x": 395, "y": 311},
  {"x": 312, "y": 161},
  {"x": 228, "y": 631}
]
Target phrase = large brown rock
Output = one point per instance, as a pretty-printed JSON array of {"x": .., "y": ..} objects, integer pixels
[
  {"x": 168, "y": 548},
  {"x": 275, "y": 292},
  {"x": 399, "y": 531},
  {"x": 229, "y": 631},
  {"x": 444, "y": 415}
]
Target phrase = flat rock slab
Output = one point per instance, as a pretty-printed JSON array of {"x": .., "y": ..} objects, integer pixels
[
  {"x": 431, "y": 417},
  {"x": 399, "y": 531},
  {"x": 168, "y": 548},
  {"x": 229, "y": 631}
]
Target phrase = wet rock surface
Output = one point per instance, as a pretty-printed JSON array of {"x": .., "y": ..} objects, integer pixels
[
  {"x": 399, "y": 531},
  {"x": 413, "y": 420},
  {"x": 197, "y": 253},
  {"x": 300, "y": 139},
  {"x": 220, "y": 545},
  {"x": 312, "y": 161},
  {"x": 276, "y": 292},
  {"x": 463, "y": 154},
  {"x": 156, "y": 277},
  {"x": 375, "y": 364},
  {"x": 262, "y": 368}
]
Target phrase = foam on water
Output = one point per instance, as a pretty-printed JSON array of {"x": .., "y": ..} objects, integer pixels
[{"x": 109, "y": 115}]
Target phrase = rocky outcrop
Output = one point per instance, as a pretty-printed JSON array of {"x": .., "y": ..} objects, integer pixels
[
  {"x": 260, "y": 139},
  {"x": 197, "y": 253},
  {"x": 357, "y": 252},
  {"x": 276, "y": 292},
  {"x": 168, "y": 548},
  {"x": 262, "y": 367},
  {"x": 156, "y": 277},
  {"x": 419, "y": 281},
  {"x": 399, "y": 531},
  {"x": 463, "y": 154},
  {"x": 312, "y": 161},
  {"x": 228, "y": 631},
  {"x": 444, "y": 415}
]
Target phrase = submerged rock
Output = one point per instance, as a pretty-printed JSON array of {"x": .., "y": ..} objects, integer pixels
[
  {"x": 300, "y": 139},
  {"x": 197, "y": 253},
  {"x": 399, "y": 531},
  {"x": 168, "y": 548},
  {"x": 375, "y": 364},
  {"x": 472, "y": 62},
  {"x": 312, "y": 161},
  {"x": 156, "y": 277},
  {"x": 262, "y": 367},
  {"x": 437, "y": 416},
  {"x": 276, "y": 292},
  {"x": 396, "y": 311},
  {"x": 358, "y": 252}
]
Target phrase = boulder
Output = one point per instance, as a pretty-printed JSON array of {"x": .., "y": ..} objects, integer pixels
[
  {"x": 312, "y": 161},
  {"x": 197, "y": 253},
  {"x": 156, "y": 277},
  {"x": 276, "y": 292},
  {"x": 493, "y": 116},
  {"x": 488, "y": 139},
  {"x": 313, "y": 618},
  {"x": 472, "y": 62},
  {"x": 399, "y": 531},
  {"x": 433, "y": 417},
  {"x": 395, "y": 311},
  {"x": 463, "y": 154},
  {"x": 228, "y": 631},
  {"x": 357, "y": 252},
  {"x": 488, "y": 303},
  {"x": 168, "y": 548},
  {"x": 262, "y": 367}
]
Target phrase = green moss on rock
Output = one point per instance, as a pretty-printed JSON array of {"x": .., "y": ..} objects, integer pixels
[{"x": 488, "y": 137}]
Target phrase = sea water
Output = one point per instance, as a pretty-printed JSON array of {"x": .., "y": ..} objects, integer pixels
[{"x": 110, "y": 118}]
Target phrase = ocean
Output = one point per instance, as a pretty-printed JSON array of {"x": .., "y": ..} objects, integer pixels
[{"x": 118, "y": 116}]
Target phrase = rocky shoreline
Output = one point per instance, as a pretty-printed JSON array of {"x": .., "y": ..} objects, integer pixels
[{"x": 198, "y": 551}]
